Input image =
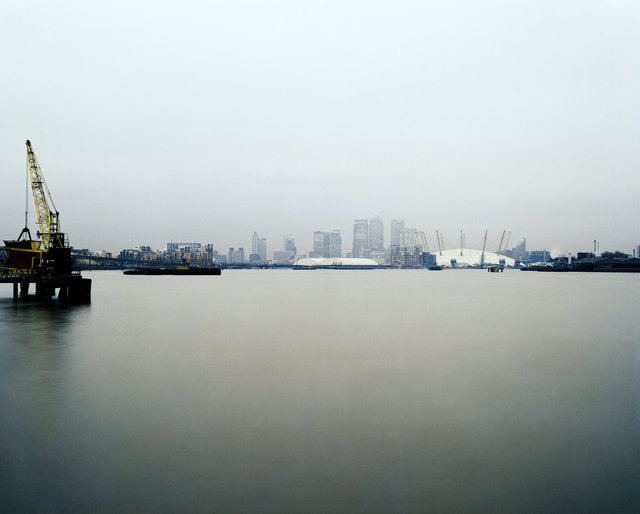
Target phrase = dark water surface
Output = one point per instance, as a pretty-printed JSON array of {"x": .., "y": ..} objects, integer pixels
[{"x": 325, "y": 391}]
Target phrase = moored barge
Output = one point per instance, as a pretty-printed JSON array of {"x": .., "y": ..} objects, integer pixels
[{"x": 174, "y": 270}]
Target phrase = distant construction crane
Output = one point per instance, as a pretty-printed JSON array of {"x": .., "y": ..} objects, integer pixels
[{"x": 439, "y": 243}]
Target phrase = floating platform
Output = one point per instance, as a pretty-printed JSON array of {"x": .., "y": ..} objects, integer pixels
[{"x": 177, "y": 270}]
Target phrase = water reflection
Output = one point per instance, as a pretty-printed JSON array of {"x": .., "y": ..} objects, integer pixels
[{"x": 34, "y": 354}]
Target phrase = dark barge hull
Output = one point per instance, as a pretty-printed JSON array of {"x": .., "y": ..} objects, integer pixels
[{"x": 173, "y": 271}]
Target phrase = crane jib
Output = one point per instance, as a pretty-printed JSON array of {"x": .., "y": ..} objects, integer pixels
[{"x": 48, "y": 219}]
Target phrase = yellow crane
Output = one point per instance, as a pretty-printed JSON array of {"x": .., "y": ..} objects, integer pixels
[
  {"x": 46, "y": 263},
  {"x": 48, "y": 220}
]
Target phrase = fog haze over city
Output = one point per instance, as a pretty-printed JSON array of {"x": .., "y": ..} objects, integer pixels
[{"x": 207, "y": 121}]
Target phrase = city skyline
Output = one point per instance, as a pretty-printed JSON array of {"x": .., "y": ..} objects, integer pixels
[{"x": 329, "y": 244}]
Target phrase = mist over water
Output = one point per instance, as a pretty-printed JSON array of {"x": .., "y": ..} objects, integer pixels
[{"x": 325, "y": 391}]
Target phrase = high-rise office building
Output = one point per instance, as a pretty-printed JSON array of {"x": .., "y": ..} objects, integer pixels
[
  {"x": 321, "y": 244},
  {"x": 262, "y": 248},
  {"x": 327, "y": 244},
  {"x": 396, "y": 226},
  {"x": 289, "y": 245},
  {"x": 236, "y": 256},
  {"x": 335, "y": 244},
  {"x": 360, "y": 238},
  {"x": 376, "y": 235},
  {"x": 288, "y": 255},
  {"x": 259, "y": 247}
]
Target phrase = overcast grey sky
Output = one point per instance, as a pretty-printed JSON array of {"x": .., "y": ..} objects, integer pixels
[{"x": 206, "y": 120}]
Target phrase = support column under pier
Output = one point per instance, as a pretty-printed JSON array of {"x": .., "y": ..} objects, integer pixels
[
  {"x": 44, "y": 291},
  {"x": 15, "y": 291},
  {"x": 80, "y": 291}
]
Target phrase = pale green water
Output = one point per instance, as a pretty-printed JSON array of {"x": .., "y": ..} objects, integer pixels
[{"x": 325, "y": 391}]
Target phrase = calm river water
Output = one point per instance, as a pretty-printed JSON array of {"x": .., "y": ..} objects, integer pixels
[{"x": 325, "y": 391}]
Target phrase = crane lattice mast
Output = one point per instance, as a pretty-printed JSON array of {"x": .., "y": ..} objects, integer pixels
[{"x": 47, "y": 219}]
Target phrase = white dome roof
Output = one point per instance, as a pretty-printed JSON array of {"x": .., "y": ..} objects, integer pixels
[{"x": 471, "y": 257}]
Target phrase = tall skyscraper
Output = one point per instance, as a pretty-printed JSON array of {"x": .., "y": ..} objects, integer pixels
[
  {"x": 289, "y": 245},
  {"x": 262, "y": 248},
  {"x": 320, "y": 244},
  {"x": 376, "y": 235},
  {"x": 335, "y": 244},
  {"x": 288, "y": 255},
  {"x": 396, "y": 226},
  {"x": 259, "y": 247},
  {"x": 235, "y": 256},
  {"x": 361, "y": 238},
  {"x": 326, "y": 244}
]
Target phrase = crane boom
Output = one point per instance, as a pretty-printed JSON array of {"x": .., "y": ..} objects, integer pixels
[{"x": 47, "y": 219}]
